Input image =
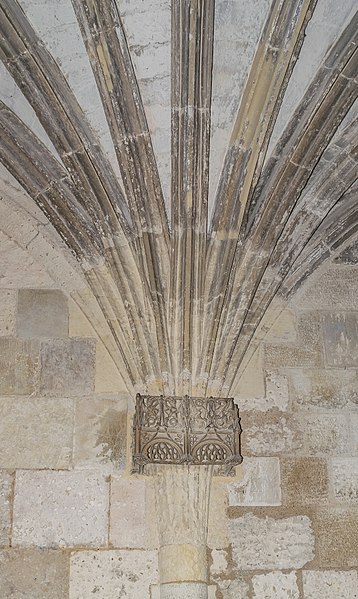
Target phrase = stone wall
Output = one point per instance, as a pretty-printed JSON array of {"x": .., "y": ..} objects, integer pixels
[{"x": 73, "y": 522}]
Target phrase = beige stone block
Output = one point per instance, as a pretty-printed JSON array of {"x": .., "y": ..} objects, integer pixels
[
  {"x": 36, "y": 433},
  {"x": 304, "y": 481},
  {"x": 276, "y": 395},
  {"x": 307, "y": 351},
  {"x": 60, "y": 509},
  {"x": 7, "y": 311},
  {"x": 34, "y": 574},
  {"x": 108, "y": 379},
  {"x": 109, "y": 574},
  {"x": 217, "y": 528},
  {"x": 270, "y": 544},
  {"x": 325, "y": 434},
  {"x": 100, "y": 436},
  {"x": 67, "y": 367},
  {"x": 42, "y": 313},
  {"x": 341, "y": 339},
  {"x": 271, "y": 433},
  {"x": 234, "y": 589},
  {"x": 6, "y": 482},
  {"x": 323, "y": 389},
  {"x": 330, "y": 585},
  {"x": 336, "y": 534},
  {"x": 128, "y": 527},
  {"x": 275, "y": 585},
  {"x": 183, "y": 590},
  {"x": 19, "y": 366},
  {"x": 336, "y": 289},
  {"x": 18, "y": 268},
  {"x": 345, "y": 479},
  {"x": 252, "y": 381},
  {"x": 78, "y": 323},
  {"x": 260, "y": 484},
  {"x": 283, "y": 329},
  {"x": 353, "y": 425}
]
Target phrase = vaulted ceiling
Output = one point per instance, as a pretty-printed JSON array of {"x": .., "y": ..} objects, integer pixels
[{"x": 198, "y": 158}]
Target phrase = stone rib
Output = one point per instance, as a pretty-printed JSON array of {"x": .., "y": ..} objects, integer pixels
[
  {"x": 272, "y": 66},
  {"x": 192, "y": 54}
]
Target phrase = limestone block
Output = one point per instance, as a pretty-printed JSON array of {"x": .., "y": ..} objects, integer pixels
[
  {"x": 234, "y": 589},
  {"x": 107, "y": 574},
  {"x": 283, "y": 329},
  {"x": 36, "y": 433},
  {"x": 325, "y": 434},
  {"x": 336, "y": 533},
  {"x": 34, "y": 574},
  {"x": 330, "y": 585},
  {"x": 19, "y": 366},
  {"x": 336, "y": 289},
  {"x": 252, "y": 381},
  {"x": 183, "y": 590},
  {"x": 217, "y": 527},
  {"x": 275, "y": 585},
  {"x": 67, "y": 367},
  {"x": 100, "y": 436},
  {"x": 341, "y": 339},
  {"x": 305, "y": 351},
  {"x": 18, "y": 269},
  {"x": 268, "y": 544},
  {"x": 219, "y": 561},
  {"x": 128, "y": 513},
  {"x": 323, "y": 389},
  {"x": 260, "y": 484},
  {"x": 6, "y": 481},
  {"x": 269, "y": 434},
  {"x": 108, "y": 379},
  {"x": 155, "y": 591},
  {"x": 60, "y": 509},
  {"x": 304, "y": 481},
  {"x": 345, "y": 479},
  {"x": 353, "y": 422},
  {"x": 42, "y": 313},
  {"x": 275, "y": 396},
  {"x": 7, "y": 311}
]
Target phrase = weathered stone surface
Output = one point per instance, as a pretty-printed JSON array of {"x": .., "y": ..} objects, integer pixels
[
  {"x": 324, "y": 389},
  {"x": 106, "y": 574},
  {"x": 260, "y": 484},
  {"x": 67, "y": 367},
  {"x": 185, "y": 589},
  {"x": 275, "y": 585},
  {"x": 330, "y": 585},
  {"x": 100, "y": 436},
  {"x": 108, "y": 378},
  {"x": 18, "y": 267},
  {"x": 234, "y": 589},
  {"x": 325, "y": 434},
  {"x": 306, "y": 351},
  {"x": 19, "y": 366},
  {"x": 128, "y": 513},
  {"x": 345, "y": 479},
  {"x": 42, "y": 313},
  {"x": 60, "y": 509},
  {"x": 7, "y": 311},
  {"x": 275, "y": 396},
  {"x": 336, "y": 289},
  {"x": 336, "y": 534},
  {"x": 283, "y": 330},
  {"x": 6, "y": 481},
  {"x": 252, "y": 381},
  {"x": 341, "y": 339},
  {"x": 34, "y": 574},
  {"x": 304, "y": 481},
  {"x": 269, "y": 433},
  {"x": 217, "y": 526},
  {"x": 269, "y": 544},
  {"x": 36, "y": 433}
]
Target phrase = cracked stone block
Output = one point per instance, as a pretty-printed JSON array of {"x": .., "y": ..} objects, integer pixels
[
  {"x": 270, "y": 433},
  {"x": 6, "y": 480},
  {"x": 68, "y": 367},
  {"x": 19, "y": 366},
  {"x": 260, "y": 484},
  {"x": 336, "y": 533},
  {"x": 325, "y": 434},
  {"x": 7, "y": 312},
  {"x": 304, "y": 481},
  {"x": 330, "y": 585},
  {"x": 42, "y": 313},
  {"x": 128, "y": 513},
  {"x": 326, "y": 389},
  {"x": 60, "y": 509},
  {"x": 288, "y": 542},
  {"x": 341, "y": 339},
  {"x": 115, "y": 573},
  {"x": 275, "y": 585},
  {"x": 36, "y": 433},
  {"x": 100, "y": 436},
  {"x": 345, "y": 479},
  {"x": 34, "y": 574}
]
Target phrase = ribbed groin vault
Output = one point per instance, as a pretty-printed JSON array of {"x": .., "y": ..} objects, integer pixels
[{"x": 186, "y": 234}]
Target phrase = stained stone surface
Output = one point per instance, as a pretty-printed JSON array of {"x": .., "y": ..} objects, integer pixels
[
  {"x": 323, "y": 389},
  {"x": 60, "y": 509},
  {"x": 67, "y": 367},
  {"x": 7, "y": 311},
  {"x": 288, "y": 542},
  {"x": 234, "y": 589},
  {"x": 19, "y": 366},
  {"x": 275, "y": 395},
  {"x": 336, "y": 537},
  {"x": 34, "y": 574},
  {"x": 326, "y": 434},
  {"x": 36, "y": 433},
  {"x": 260, "y": 484},
  {"x": 330, "y": 585},
  {"x": 128, "y": 513},
  {"x": 6, "y": 480},
  {"x": 345, "y": 479},
  {"x": 275, "y": 585},
  {"x": 341, "y": 339},
  {"x": 304, "y": 481},
  {"x": 271, "y": 433},
  {"x": 336, "y": 289},
  {"x": 107, "y": 574},
  {"x": 42, "y": 313}
]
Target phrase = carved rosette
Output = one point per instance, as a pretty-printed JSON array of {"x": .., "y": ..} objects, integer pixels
[{"x": 186, "y": 430}]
